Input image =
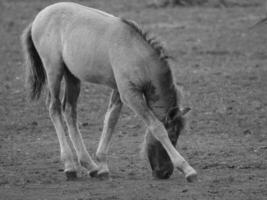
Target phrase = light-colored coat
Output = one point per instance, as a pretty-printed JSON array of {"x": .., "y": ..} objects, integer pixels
[{"x": 77, "y": 43}]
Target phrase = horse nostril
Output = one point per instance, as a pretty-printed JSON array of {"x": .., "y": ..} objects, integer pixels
[
  {"x": 162, "y": 174},
  {"x": 166, "y": 174}
]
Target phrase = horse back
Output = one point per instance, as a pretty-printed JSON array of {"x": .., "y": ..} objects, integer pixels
[
  {"x": 78, "y": 36},
  {"x": 94, "y": 46}
]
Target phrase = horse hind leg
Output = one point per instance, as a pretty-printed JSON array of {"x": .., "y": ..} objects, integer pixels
[
  {"x": 137, "y": 103},
  {"x": 54, "y": 77},
  {"x": 110, "y": 122},
  {"x": 72, "y": 91}
]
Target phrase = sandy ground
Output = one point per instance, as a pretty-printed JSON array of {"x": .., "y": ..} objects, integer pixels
[{"x": 220, "y": 64}]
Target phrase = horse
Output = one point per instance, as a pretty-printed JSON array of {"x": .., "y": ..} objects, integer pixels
[{"x": 78, "y": 43}]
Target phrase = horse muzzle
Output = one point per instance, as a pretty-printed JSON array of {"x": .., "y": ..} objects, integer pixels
[{"x": 164, "y": 173}]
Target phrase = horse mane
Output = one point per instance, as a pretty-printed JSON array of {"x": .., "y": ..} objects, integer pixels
[
  {"x": 166, "y": 76},
  {"x": 152, "y": 40}
]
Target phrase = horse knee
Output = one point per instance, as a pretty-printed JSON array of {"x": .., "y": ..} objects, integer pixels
[
  {"x": 158, "y": 130},
  {"x": 70, "y": 113},
  {"x": 54, "y": 108}
]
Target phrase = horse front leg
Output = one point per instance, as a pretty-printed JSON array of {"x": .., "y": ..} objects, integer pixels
[
  {"x": 110, "y": 122},
  {"x": 137, "y": 103}
]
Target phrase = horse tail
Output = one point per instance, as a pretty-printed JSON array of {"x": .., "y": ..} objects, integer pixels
[{"x": 35, "y": 72}]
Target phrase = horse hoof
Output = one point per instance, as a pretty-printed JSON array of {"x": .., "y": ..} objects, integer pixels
[
  {"x": 71, "y": 175},
  {"x": 103, "y": 175},
  {"x": 192, "y": 177},
  {"x": 93, "y": 173}
]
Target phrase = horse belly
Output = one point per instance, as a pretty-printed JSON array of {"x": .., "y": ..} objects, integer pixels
[
  {"x": 89, "y": 63},
  {"x": 99, "y": 74}
]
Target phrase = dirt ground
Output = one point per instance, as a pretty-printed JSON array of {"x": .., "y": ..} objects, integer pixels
[{"x": 222, "y": 67}]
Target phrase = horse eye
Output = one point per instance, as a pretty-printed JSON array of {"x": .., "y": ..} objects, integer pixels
[
  {"x": 172, "y": 113},
  {"x": 167, "y": 124}
]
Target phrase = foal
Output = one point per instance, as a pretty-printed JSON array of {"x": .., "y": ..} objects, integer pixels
[{"x": 77, "y": 43}]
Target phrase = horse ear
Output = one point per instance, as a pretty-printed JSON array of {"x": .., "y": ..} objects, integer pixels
[
  {"x": 185, "y": 110},
  {"x": 172, "y": 113},
  {"x": 176, "y": 112}
]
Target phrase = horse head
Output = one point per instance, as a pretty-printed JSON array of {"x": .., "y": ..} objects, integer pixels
[{"x": 159, "y": 159}]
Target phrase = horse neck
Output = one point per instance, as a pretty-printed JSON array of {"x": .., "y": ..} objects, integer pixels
[{"x": 163, "y": 94}]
